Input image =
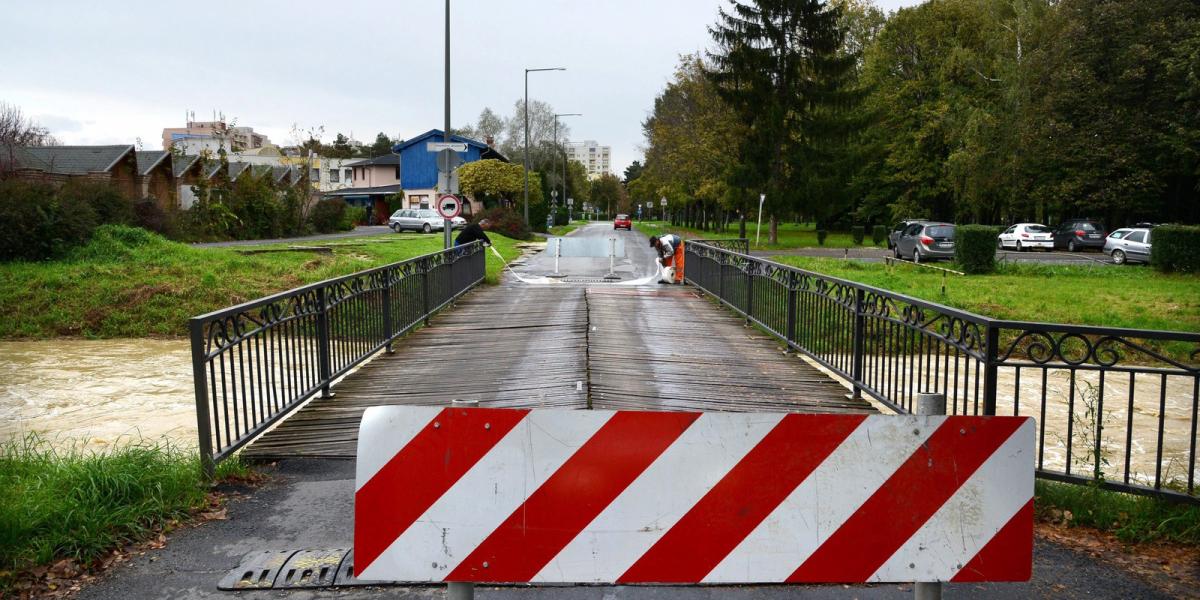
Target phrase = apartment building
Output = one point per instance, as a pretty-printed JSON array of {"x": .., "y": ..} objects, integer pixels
[
  {"x": 212, "y": 136},
  {"x": 596, "y": 159}
]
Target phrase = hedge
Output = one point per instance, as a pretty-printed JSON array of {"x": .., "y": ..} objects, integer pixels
[
  {"x": 327, "y": 215},
  {"x": 1176, "y": 248},
  {"x": 38, "y": 223},
  {"x": 975, "y": 248},
  {"x": 858, "y": 232},
  {"x": 879, "y": 234},
  {"x": 821, "y": 235}
]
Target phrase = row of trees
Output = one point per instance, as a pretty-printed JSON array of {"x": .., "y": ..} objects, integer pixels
[{"x": 987, "y": 111}]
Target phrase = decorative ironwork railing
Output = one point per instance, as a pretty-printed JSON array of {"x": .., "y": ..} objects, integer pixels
[
  {"x": 1115, "y": 407},
  {"x": 255, "y": 362}
]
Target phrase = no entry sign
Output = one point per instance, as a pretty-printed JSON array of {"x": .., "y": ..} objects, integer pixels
[
  {"x": 449, "y": 206},
  {"x": 513, "y": 496}
]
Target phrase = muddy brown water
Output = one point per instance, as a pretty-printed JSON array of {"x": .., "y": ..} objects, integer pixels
[{"x": 101, "y": 392}]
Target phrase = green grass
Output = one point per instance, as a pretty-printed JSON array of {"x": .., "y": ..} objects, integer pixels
[
  {"x": 1130, "y": 296},
  {"x": 1136, "y": 519},
  {"x": 77, "y": 504},
  {"x": 127, "y": 282},
  {"x": 560, "y": 230},
  {"x": 791, "y": 235}
]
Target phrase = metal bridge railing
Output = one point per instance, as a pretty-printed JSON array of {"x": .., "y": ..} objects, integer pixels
[
  {"x": 255, "y": 362},
  {"x": 1115, "y": 407}
]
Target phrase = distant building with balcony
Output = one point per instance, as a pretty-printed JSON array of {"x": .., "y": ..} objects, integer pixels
[
  {"x": 211, "y": 136},
  {"x": 596, "y": 159}
]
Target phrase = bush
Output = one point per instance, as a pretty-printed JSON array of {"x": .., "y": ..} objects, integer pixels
[
  {"x": 975, "y": 248},
  {"x": 107, "y": 203},
  {"x": 149, "y": 215},
  {"x": 38, "y": 224},
  {"x": 821, "y": 235},
  {"x": 879, "y": 234},
  {"x": 353, "y": 216},
  {"x": 1176, "y": 248},
  {"x": 506, "y": 222},
  {"x": 327, "y": 215},
  {"x": 117, "y": 243},
  {"x": 858, "y": 232}
]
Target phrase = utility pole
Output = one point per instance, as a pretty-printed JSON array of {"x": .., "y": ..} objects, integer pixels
[
  {"x": 446, "y": 223},
  {"x": 564, "y": 182}
]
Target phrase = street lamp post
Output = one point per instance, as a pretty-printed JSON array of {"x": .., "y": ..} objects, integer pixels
[
  {"x": 564, "y": 182},
  {"x": 526, "y": 174},
  {"x": 758, "y": 230}
]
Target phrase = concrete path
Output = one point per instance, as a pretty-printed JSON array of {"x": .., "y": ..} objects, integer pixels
[{"x": 309, "y": 504}]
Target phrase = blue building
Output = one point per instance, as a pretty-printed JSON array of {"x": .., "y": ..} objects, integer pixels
[{"x": 413, "y": 170}]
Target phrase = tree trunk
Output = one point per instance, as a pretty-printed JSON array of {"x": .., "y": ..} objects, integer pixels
[
  {"x": 773, "y": 238},
  {"x": 742, "y": 224}
]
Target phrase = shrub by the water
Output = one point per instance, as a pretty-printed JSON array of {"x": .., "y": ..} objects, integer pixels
[
  {"x": 1176, "y": 248},
  {"x": 109, "y": 204},
  {"x": 975, "y": 248},
  {"x": 38, "y": 223},
  {"x": 858, "y": 232},
  {"x": 505, "y": 221},
  {"x": 821, "y": 235},
  {"x": 327, "y": 215},
  {"x": 353, "y": 216},
  {"x": 879, "y": 234},
  {"x": 149, "y": 215}
]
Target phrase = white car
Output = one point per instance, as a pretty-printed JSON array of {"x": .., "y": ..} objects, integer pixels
[
  {"x": 1131, "y": 244},
  {"x": 1026, "y": 235},
  {"x": 416, "y": 219},
  {"x": 458, "y": 223}
]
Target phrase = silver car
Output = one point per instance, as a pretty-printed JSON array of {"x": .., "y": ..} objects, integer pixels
[
  {"x": 926, "y": 241},
  {"x": 416, "y": 219},
  {"x": 1131, "y": 244}
]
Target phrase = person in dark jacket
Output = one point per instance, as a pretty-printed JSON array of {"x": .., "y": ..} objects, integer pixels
[{"x": 473, "y": 232}]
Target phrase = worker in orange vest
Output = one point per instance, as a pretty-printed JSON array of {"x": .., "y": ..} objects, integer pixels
[{"x": 670, "y": 252}]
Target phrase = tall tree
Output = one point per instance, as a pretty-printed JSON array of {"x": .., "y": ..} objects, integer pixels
[
  {"x": 382, "y": 146},
  {"x": 633, "y": 171}
]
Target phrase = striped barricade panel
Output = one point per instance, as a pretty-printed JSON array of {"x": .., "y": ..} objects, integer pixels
[{"x": 565, "y": 496}]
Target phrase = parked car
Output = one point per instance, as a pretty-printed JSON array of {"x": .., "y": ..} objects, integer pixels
[
  {"x": 1026, "y": 235},
  {"x": 623, "y": 222},
  {"x": 1130, "y": 244},
  {"x": 416, "y": 219},
  {"x": 926, "y": 241},
  {"x": 458, "y": 223},
  {"x": 1078, "y": 234},
  {"x": 897, "y": 229}
]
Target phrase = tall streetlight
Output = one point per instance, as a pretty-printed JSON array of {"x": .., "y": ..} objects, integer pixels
[
  {"x": 527, "y": 72},
  {"x": 564, "y": 182}
]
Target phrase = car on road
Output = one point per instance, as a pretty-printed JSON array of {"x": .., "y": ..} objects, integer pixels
[
  {"x": 1129, "y": 244},
  {"x": 623, "y": 222},
  {"x": 1079, "y": 234},
  {"x": 1026, "y": 235},
  {"x": 898, "y": 229},
  {"x": 458, "y": 223},
  {"x": 926, "y": 241},
  {"x": 425, "y": 220}
]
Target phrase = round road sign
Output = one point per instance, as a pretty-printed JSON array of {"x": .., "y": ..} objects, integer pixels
[{"x": 449, "y": 206}]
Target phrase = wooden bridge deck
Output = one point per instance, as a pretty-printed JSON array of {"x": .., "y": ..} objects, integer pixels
[{"x": 561, "y": 346}]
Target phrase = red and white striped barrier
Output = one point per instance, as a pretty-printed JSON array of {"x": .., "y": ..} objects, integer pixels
[{"x": 503, "y": 495}]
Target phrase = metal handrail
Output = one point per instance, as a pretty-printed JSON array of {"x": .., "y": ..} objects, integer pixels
[
  {"x": 890, "y": 347},
  {"x": 256, "y": 362}
]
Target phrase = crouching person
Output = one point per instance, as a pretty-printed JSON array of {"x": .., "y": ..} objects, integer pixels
[{"x": 670, "y": 253}]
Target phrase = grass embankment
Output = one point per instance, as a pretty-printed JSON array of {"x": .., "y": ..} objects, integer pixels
[
  {"x": 791, "y": 235},
  {"x": 127, "y": 282},
  {"x": 79, "y": 505},
  {"x": 561, "y": 230},
  {"x": 1133, "y": 519},
  {"x": 1126, "y": 296}
]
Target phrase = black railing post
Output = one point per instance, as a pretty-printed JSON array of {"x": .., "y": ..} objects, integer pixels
[
  {"x": 200, "y": 381},
  {"x": 324, "y": 361},
  {"x": 388, "y": 325},
  {"x": 859, "y": 339},
  {"x": 720, "y": 276},
  {"x": 425, "y": 302},
  {"x": 749, "y": 290},
  {"x": 790, "y": 332},
  {"x": 991, "y": 353}
]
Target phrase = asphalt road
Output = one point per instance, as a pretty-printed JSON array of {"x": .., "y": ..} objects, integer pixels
[
  {"x": 308, "y": 504},
  {"x": 638, "y": 260},
  {"x": 1057, "y": 257}
]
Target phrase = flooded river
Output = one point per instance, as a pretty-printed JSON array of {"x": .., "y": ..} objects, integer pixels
[{"x": 101, "y": 391}]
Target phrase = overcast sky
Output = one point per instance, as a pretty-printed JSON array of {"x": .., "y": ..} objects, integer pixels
[{"x": 108, "y": 73}]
